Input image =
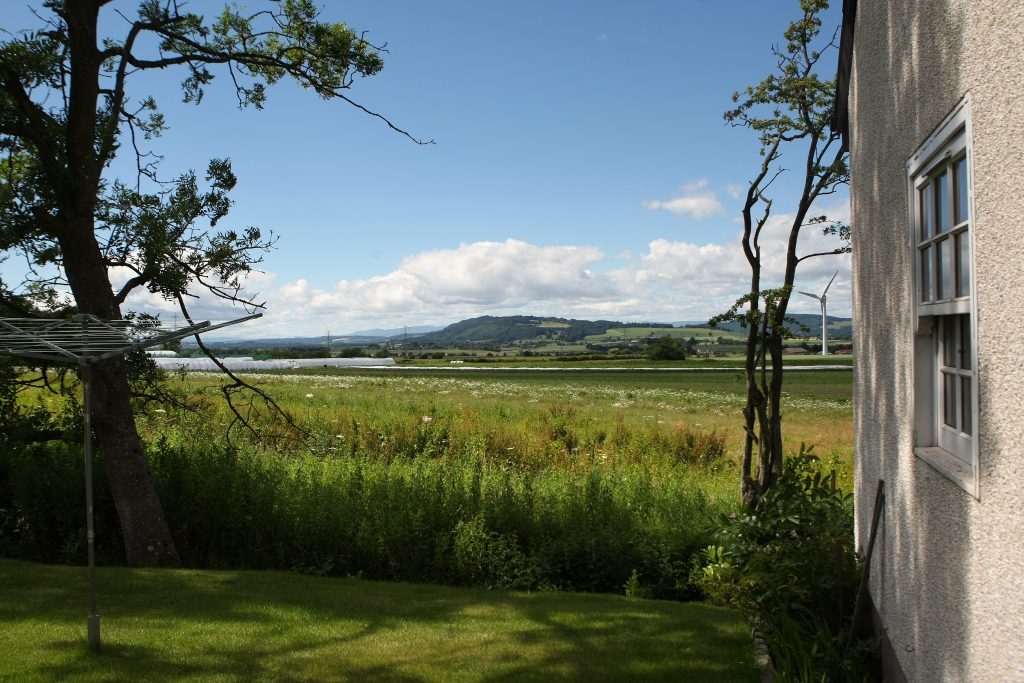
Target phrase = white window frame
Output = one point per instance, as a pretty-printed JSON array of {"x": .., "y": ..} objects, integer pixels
[{"x": 949, "y": 451}]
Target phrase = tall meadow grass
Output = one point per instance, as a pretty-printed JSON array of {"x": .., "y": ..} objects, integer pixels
[{"x": 518, "y": 484}]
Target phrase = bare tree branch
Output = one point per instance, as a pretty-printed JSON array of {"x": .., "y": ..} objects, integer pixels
[{"x": 237, "y": 387}]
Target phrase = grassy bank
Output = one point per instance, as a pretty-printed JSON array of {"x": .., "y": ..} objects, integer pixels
[{"x": 161, "y": 625}]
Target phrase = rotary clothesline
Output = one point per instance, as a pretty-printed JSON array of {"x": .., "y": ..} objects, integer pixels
[{"x": 86, "y": 339}]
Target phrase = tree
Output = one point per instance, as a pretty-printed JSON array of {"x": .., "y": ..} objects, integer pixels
[
  {"x": 666, "y": 348},
  {"x": 66, "y": 112},
  {"x": 791, "y": 109}
]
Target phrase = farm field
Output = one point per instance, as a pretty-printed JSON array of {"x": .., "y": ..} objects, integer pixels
[
  {"x": 234, "y": 625},
  {"x": 477, "y": 357},
  {"x": 521, "y": 410}
]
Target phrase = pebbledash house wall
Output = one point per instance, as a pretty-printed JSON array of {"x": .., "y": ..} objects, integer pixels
[{"x": 947, "y": 578}]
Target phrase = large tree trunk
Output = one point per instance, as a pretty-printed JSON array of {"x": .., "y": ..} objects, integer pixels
[{"x": 147, "y": 537}]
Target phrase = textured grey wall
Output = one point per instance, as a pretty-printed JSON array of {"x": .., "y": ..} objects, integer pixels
[{"x": 949, "y": 569}]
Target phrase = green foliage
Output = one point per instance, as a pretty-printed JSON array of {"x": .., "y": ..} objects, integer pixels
[
  {"x": 455, "y": 519},
  {"x": 666, "y": 348},
  {"x": 50, "y": 187},
  {"x": 67, "y": 108},
  {"x": 164, "y": 238},
  {"x": 790, "y": 565},
  {"x": 486, "y": 558},
  {"x": 766, "y": 320},
  {"x": 42, "y": 504},
  {"x": 633, "y": 587},
  {"x": 794, "y": 100},
  {"x": 510, "y": 480}
]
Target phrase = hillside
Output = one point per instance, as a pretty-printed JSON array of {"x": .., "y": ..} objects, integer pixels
[
  {"x": 284, "y": 342},
  {"x": 491, "y": 329},
  {"x": 838, "y": 328},
  {"x": 498, "y": 330}
]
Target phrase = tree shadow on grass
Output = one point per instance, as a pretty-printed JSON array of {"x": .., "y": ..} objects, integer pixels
[
  {"x": 125, "y": 662},
  {"x": 172, "y": 625},
  {"x": 710, "y": 646}
]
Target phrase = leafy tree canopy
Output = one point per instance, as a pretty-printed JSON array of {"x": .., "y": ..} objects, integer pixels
[
  {"x": 666, "y": 348},
  {"x": 66, "y": 111},
  {"x": 68, "y": 108}
]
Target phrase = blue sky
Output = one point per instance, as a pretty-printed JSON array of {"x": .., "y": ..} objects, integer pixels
[{"x": 581, "y": 165}]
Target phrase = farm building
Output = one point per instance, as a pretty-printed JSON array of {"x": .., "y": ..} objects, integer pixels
[{"x": 931, "y": 96}]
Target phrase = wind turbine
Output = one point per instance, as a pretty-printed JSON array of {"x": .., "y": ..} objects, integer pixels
[{"x": 824, "y": 316}]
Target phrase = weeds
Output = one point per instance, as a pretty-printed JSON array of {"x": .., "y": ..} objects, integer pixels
[
  {"x": 446, "y": 480},
  {"x": 454, "y": 519}
]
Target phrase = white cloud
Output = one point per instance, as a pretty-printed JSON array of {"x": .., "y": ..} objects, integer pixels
[
  {"x": 668, "y": 281},
  {"x": 695, "y": 200},
  {"x": 256, "y": 286}
]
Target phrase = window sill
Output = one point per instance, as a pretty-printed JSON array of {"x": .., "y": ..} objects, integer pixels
[{"x": 950, "y": 466}]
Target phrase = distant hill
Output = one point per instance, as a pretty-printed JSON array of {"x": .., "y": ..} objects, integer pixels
[
  {"x": 393, "y": 332},
  {"x": 491, "y": 329},
  {"x": 496, "y": 330},
  {"x": 838, "y": 328},
  {"x": 357, "y": 338},
  {"x": 281, "y": 342}
]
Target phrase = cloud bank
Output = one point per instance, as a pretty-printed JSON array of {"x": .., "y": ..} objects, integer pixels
[{"x": 670, "y": 281}]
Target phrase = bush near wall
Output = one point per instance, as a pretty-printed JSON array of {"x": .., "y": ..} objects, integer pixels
[{"x": 791, "y": 567}]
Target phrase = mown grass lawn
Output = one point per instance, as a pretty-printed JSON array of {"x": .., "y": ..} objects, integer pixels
[{"x": 161, "y": 625}]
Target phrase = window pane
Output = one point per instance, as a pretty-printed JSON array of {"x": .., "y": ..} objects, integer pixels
[
  {"x": 966, "y": 417},
  {"x": 963, "y": 264},
  {"x": 926, "y": 274},
  {"x": 949, "y": 347},
  {"x": 960, "y": 171},
  {"x": 942, "y": 202},
  {"x": 965, "y": 342},
  {"x": 944, "y": 286},
  {"x": 927, "y": 219},
  {"x": 949, "y": 397}
]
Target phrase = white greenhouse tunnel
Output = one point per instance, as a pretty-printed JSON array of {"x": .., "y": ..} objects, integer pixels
[{"x": 248, "y": 363}]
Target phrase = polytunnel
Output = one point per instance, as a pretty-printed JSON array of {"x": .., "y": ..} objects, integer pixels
[{"x": 248, "y": 363}]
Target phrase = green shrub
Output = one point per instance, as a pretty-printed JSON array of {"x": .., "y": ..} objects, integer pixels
[
  {"x": 790, "y": 566},
  {"x": 665, "y": 348},
  {"x": 487, "y": 558}
]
